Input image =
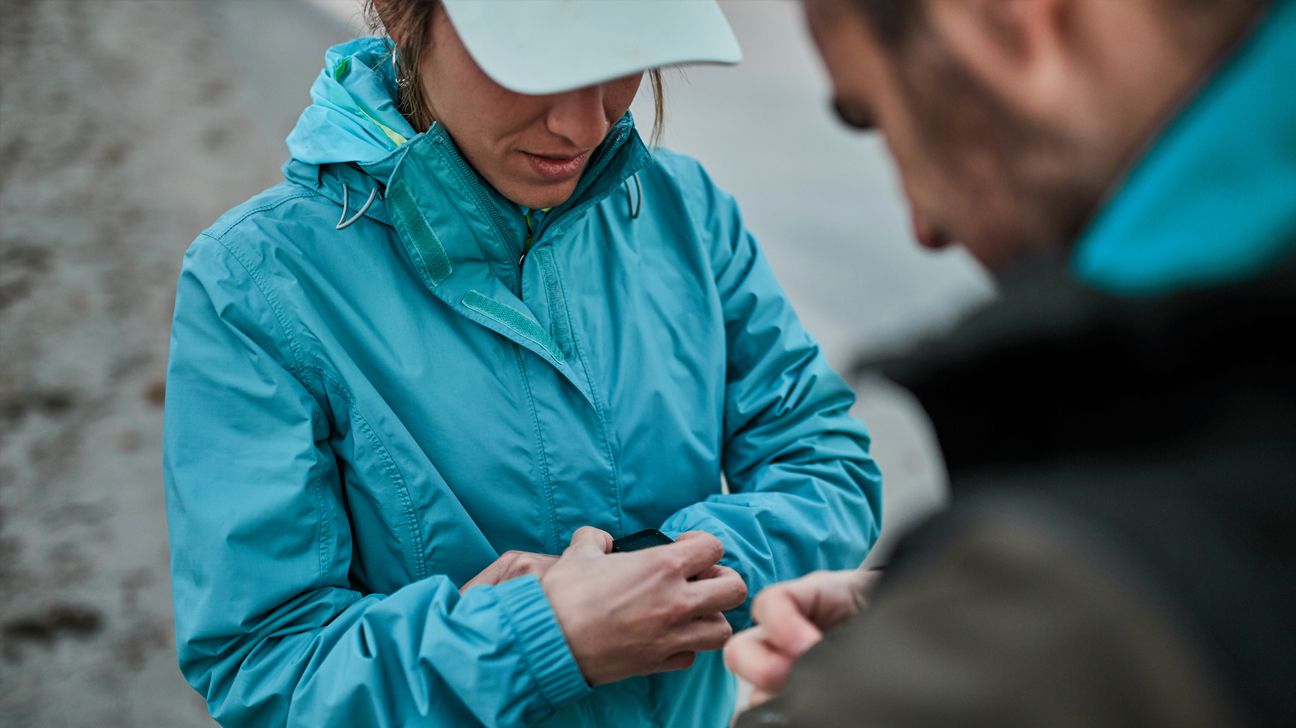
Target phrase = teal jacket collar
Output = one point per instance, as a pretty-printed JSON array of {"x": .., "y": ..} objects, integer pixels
[
  {"x": 353, "y": 135},
  {"x": 436, "y": 178},
  {"x": 1214, "y": 199},
  {"x": 465, "y": 240}
]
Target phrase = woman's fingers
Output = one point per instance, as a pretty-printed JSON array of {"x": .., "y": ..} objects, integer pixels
[
  {"x": 638, "y": 613},
  {"x": 479, "y": 580},
  {"x": 710, "y": 572},
  {"x": 589, "y": 542},
  {"x": 693, "y": 553},
  {"x": 528, "y": 563},
  {"x": 703, "y": 634},
  {"x": 677, "y": 661},
  {"x": 718, "y": 571},
  {"x": 511, "y": 565},
  {"x": 720, "y": 592},
  {"x": 490, "y": 575}
]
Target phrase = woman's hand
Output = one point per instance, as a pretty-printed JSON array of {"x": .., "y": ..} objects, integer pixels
[
  {"x": 791, "y": 618},
  {"x": 510, "y": 565},
  {"x": 645, "y": 611}
]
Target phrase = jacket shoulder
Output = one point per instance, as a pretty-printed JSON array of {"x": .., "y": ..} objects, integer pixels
[
  {"x": 286, "y": 202},
  {"x": 680, "y": 171},
  {"x": 249, "y": 263},
  {"x": 681, "y": 188},
  {"x": 279, "y": 225}
]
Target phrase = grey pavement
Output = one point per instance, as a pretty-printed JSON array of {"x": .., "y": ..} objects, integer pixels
[{"x": 126, "y": 126}]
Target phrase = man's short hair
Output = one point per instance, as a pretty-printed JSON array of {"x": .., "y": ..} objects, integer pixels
[{"x": 893, "y": 21}]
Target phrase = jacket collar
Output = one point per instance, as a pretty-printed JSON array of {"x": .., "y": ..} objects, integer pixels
[
  {"x": 473, "y": 223},
  {"x": 1214, "y": 199},
  {"x": 352, "y": 134},
  {"x": 464, "y": 239}
]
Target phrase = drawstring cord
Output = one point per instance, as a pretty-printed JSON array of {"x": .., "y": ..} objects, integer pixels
[
  {"x": 344, "y": 222},
  {"x": 635, "y": 199}
]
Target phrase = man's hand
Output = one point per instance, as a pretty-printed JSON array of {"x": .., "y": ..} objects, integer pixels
[
  {"x": 642, "y": 612},
  {"x": 791, "y": 618},
  {"x": 510, "y": 565}
]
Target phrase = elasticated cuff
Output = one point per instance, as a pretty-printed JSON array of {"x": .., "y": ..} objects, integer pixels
[{"x": 541, "y": 640}]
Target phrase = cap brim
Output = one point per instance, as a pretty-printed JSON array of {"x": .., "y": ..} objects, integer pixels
[{"x": 550, "y": 46}]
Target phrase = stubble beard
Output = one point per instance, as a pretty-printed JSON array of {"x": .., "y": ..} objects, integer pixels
[{"x": 1014, "y": 187}]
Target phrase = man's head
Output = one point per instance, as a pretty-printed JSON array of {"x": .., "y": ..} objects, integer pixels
[{"x": 1009, "y": 119}]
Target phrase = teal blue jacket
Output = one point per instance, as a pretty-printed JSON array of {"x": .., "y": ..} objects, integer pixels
[
  {"x": 1213, "y": 199},
  {"x": 358, "y": 420}
]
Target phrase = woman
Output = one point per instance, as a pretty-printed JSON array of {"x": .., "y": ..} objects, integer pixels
[{"x": 455, "y": 335}]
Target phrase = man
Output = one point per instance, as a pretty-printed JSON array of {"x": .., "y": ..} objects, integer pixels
[{"x": 1119, "y": 426}]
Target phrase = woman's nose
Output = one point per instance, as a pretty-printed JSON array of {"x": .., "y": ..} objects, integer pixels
[{"x": 579, "y": 117}]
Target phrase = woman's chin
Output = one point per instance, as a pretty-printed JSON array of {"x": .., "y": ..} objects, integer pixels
[{"x": 541, "y": 196}]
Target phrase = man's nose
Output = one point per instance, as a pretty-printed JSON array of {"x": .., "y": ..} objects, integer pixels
[{"x": 579, "y": 117}]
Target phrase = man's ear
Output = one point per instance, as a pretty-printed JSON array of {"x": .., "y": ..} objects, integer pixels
[
  {"x": 391, "y": 17},
  {"x": 1019, "y": 49}
]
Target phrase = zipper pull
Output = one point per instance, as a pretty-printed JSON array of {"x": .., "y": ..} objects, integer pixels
[{"x": 526, "y": 244}]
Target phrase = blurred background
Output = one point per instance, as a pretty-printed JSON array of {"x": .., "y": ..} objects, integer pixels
[{"x": 127, "y": 126}]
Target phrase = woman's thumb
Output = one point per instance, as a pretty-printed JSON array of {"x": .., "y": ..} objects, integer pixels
[{"x": 589, "y": 541}]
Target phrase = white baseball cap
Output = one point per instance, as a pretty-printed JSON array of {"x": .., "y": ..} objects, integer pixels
[{"x": 550, "y": 46}]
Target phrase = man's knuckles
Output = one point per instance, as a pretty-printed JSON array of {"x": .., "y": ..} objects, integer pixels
[
  {"x": 769, "y": 674},
  {"x": 749, "y": 657}
]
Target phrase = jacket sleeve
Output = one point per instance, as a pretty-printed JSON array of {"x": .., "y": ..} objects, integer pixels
[
  {"x": 804, "y": 494},
  {"x": 269, "y": 629}
]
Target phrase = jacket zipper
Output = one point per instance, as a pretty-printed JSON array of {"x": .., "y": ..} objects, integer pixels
[
  {"x": 526, "y": 244},
  {"x": 533, "y": 234},
  {"x": 483, "y": 201}
]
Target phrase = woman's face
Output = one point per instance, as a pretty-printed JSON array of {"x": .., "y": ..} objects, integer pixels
[{"x": 532, "y": 149}]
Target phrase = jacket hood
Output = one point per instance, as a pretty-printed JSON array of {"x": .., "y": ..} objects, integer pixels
[
  {"x": 352, "y": 135},
  {"x": 353, "y": 116},
  {"x": 1214, "y": 199}
]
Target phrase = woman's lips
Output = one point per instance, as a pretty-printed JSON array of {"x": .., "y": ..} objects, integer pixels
[{"x": 556, "y": 168}]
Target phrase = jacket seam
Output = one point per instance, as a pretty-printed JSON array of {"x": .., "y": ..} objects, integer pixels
[
  {"x": 389, "y": 466},
  {"x": 220, "y": 236},
  {"x": 549, "y": 275},
  {"x": 271, "y": 300},
  {"x": 298, "y": 368},
  {"x": 595, "y": 399},
  {"x": 295, "y": 370},
  {"x": 545, "y": 478}
]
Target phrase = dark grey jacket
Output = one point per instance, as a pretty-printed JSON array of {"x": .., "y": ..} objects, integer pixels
[{"x": 1120, "y": 549}]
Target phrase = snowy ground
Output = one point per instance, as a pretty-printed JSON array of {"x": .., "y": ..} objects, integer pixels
[{"x": 126, "y": 126}]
